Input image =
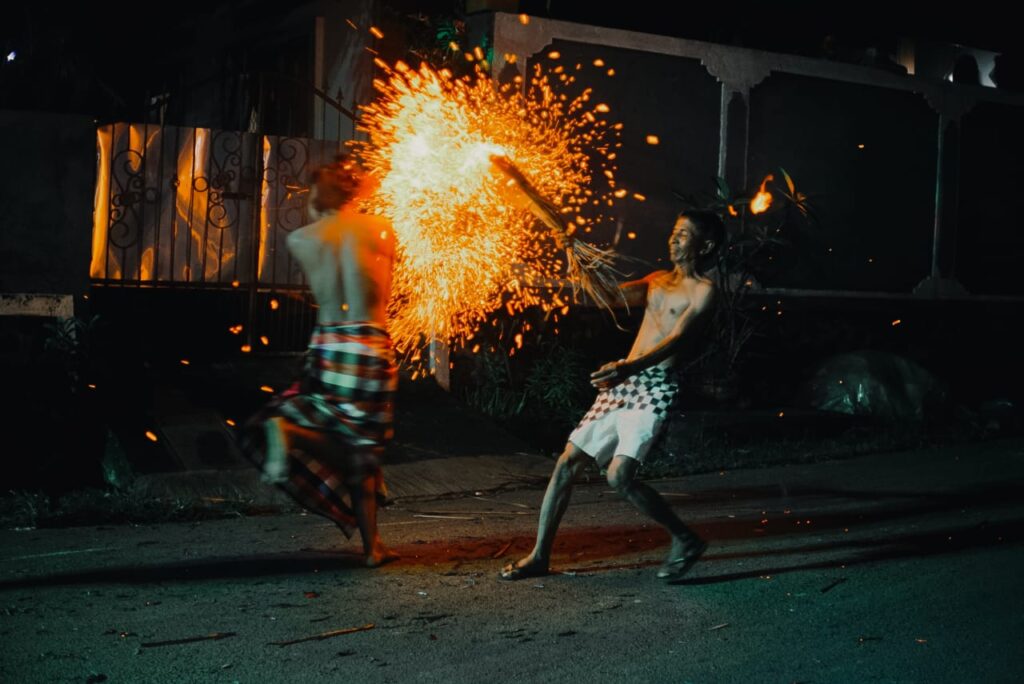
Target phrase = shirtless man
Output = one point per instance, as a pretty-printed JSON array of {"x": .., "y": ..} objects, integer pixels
[
  {"x": 635, "y": 396},
  {"x": 324, "y": 435}
]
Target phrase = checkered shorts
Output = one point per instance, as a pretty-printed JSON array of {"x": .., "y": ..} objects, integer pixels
[{"x": 626, "y": 419}]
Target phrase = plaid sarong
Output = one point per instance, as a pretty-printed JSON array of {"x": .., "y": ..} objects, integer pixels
[{"x": 347, "y": 390}]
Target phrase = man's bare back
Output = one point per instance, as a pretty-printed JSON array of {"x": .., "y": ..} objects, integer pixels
[
  {"x": 349, "y": 377},
  {"x": 346, "y": 257}
]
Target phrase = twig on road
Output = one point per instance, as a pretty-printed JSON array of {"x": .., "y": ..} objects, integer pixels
[
  {"x": 324, "y": 635},
  {"x": 501, "y": 552},
  {"x": 214, "y": 636},
  {"x": 833, "y": 585}
]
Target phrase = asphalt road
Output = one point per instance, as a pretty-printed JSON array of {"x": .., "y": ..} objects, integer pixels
[{"x": 892, "y": 568}]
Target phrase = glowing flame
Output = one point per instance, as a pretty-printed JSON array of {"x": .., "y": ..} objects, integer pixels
[
  {"x": 763, "y": 199},
  {"x": 465, "y": 239}
]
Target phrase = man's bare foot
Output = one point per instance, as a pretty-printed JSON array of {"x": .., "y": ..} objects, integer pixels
[
  {"x": 275, "y": 464},
  {"x": 275, "y": 469},
  {"x": 380, "y": 556},
  {"x": 524, "y": 568},
  {"x": 684, "y": 553}
]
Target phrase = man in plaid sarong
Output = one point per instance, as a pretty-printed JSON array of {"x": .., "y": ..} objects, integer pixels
[
  {"x": 323, "y": 437},
  {"x": 635, "y": 396}
]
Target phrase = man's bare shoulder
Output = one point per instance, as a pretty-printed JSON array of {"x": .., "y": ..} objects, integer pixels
[
  {"x": 366, "y": 226},
  {"x": 309, "y": 233},
  {"x": 703, "y": 292},
  {"x": 656, "y": 276}
]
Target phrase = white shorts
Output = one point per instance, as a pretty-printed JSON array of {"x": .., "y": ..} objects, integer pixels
[{"x": 625, "y": 420}]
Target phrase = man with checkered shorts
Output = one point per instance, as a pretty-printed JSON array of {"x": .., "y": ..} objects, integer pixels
[{"x": 635, "y": 396}]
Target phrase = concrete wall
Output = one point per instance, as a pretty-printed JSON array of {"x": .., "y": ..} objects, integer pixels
[{"x": 47, "y": 180}]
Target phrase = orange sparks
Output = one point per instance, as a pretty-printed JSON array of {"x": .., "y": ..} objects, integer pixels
[
  {"x": 274, "y": 304},
  {"x": 478, "y": 53},
  {"x": 732, "y": 211},
  {"x": 524, "y": 19},
  {"x": 246, "y": 348},
  {"x": 603, "y": 108},
  {"x": 184, "y": 362},
  {"x": 896, "y": 322},
  {"x": 554, "y": 54},
  {"x": 611, "y": 72},
  {"x": 376, "y": 32},
  {"x": 230, "y": 422},
  {"x": 466, "y": 240},
  {"x": 151, "y": 436},
  {"x": 638, "y": 197},
  {"x": 265, "y": 340},
  {"x": 631, "y": 235},
  {"x": 350, "y": 23},
  {"x": 266, "y": 388},
  {"x": 763, "y": 199},
  {"x": 653, "y": 140},
  {"x": 235, "y": 329},
  {"x": 599, "y": 62}
]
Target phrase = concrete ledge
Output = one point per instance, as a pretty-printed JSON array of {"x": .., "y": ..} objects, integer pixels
[{"x": 46, "y": 305}]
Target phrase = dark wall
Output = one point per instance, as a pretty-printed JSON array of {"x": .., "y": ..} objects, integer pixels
[{"x": 47, "y": 180}]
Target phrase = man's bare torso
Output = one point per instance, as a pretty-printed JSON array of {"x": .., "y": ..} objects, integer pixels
[{"x": 669, "y": 296}]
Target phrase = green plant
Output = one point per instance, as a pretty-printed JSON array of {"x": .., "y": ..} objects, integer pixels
[
  {"x": 70, "y": 344},
  {"x": 555, "y": 385},
  {"x": 493, "y": 391},
  {"x": 442, "y": 40},
  {"x": 547, "y": 387}
]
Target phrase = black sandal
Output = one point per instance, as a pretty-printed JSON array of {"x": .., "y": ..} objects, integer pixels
[
  {"x": 674, "y": 568},
  {"x": 513, "y": 572}
]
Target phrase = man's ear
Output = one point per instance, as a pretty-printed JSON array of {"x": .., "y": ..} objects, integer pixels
[{"x": 708, "y": 246}]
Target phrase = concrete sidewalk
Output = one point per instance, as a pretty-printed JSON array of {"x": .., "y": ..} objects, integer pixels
[{"x": 439, "y": 476}]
